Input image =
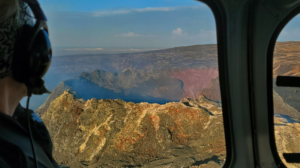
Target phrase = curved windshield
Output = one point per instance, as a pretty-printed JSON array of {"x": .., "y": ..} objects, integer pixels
[
  {"x": 286, "y": 92},
  {"x": 133, "y": 84}
]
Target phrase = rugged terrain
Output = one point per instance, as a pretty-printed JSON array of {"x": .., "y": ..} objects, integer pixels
[
  {"x": 287, "y": 137},
  {"x": 114, "y": 133}
]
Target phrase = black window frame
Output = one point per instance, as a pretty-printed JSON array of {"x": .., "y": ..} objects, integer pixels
[
  {"x": 219, "y": 13},
  {"x": 270, "y": 57}
]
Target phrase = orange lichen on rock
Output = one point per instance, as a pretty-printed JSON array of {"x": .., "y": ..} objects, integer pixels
[{"x": 112, "y": 130}]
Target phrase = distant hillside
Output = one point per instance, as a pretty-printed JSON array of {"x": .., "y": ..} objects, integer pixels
[
  {"x": 290, "y": 95},
  {"x": 286, "y": 100},
  {"x": 157, "y": 86},
  {"x": 194, "y": 57},
  {"x": 286, "y": 59},
  {"x": 188, "y": 57},
  {"x": 194, "y": 66},
  {"x": 199, "y": 63}
]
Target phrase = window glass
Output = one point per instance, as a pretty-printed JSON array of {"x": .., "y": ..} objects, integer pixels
[
  {"x": 133, "y": 84},
  {"x": 286, "y": 99}
]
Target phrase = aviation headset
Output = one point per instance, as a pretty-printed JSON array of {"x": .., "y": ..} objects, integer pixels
[
  {"x": 33, "y": 52},
  {"x": 31, "y": 60}
]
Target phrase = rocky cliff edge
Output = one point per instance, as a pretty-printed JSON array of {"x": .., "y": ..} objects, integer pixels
[{"x": 115, "y": 133}]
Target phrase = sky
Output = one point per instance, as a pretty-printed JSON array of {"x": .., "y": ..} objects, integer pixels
[
  {"x": 291, "y": 31},
  {"x": 135, "y": 24},
  {"x": 128, "y": 24}
]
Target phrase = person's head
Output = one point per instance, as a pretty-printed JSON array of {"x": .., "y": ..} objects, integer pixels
[
  {"x": 9, "y": 24},
  {"x": 14, "y": 18}
]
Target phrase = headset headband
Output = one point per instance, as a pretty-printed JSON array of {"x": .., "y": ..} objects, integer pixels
[
  {"x": 41, "y": 20},
  {"x": 36, "y": 9}
]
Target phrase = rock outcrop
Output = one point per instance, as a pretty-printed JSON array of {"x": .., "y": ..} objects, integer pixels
[
  {"x": 115, "y": 133},
  {"x": 287, "y": 137}
]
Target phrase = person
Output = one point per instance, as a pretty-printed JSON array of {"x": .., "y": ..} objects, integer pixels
[{"x": 24, "y": 142}]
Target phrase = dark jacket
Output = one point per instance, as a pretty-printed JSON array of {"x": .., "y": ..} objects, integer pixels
[{"x": 15, "y": 145}]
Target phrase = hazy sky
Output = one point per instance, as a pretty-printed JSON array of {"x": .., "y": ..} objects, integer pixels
[
  {"x": 135, "y": 23},
  {"x": 291, "y": 32},
  {"x": 129, "y": 24}
]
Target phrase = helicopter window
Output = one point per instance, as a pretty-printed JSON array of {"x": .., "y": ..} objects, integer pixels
[
  {"x": 286, "y": 93},
  {"x": 133, "y": 84}
]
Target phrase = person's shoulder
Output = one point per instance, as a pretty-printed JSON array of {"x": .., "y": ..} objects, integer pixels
[
  {"x": 39, "y": 131},
  {"x": 22, "y": 112},
  {"x": 37, "y": 125}
]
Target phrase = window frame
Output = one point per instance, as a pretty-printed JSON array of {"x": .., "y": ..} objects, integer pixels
[
  {"x": 270, "y": 57},
  {"x": 218, "y": 10}
]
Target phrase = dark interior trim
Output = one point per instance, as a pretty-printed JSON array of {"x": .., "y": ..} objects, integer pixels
[
  {"x": 270, "y": 54},
  {"x": 218, "y": 10}
]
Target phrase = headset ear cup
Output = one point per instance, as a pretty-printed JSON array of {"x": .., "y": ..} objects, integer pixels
[
  {"x": 20, "y": 63},
  {"x": 41, "y": 55},
  {"x": 31, "y": 62}
]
